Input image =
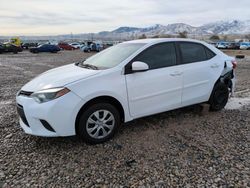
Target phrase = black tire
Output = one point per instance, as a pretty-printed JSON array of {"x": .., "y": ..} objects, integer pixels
[
  {"x": 81, "y": 128},
  {"x": 219, "y": 97},
  {"x": 15, "y": 52}
]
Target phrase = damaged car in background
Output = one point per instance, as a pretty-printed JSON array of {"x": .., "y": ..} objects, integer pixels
[
  {"x": 93, "y": 97},
  {"x": 9, "y": 48}
]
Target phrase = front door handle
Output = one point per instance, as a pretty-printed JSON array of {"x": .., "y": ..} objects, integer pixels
[
  {"x": 176, "y": 74},
  {"x": 214, "y": 66}
]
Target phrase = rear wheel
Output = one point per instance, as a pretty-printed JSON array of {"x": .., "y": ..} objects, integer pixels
[
  {"x": 98, "y": 123},
  {"x": 219, "y": 97}
]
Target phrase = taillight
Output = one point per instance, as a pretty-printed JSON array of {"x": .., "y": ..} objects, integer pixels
[{"x": 234, "y": 64}]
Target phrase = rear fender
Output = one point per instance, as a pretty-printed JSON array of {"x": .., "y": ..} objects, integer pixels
[{"x": 227, "y": 76}]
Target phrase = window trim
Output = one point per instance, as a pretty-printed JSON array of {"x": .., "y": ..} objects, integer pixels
[
  {"x": 204, "y": 47},
  {"x": 128, "y": 66}
]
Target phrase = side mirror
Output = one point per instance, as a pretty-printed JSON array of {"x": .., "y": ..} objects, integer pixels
[{"x": 139, "y": 66}]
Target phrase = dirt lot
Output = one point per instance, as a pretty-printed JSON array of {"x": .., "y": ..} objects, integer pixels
[{"x": 181, "y": 148}]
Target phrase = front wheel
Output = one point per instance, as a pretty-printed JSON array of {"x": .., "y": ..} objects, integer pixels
[
  {"x": 219, "y": 97},
  {"x": 98, "y": 123}
]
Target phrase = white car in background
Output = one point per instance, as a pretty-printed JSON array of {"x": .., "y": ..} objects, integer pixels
[
  {"x": 223, "y": 45},
  {"x": 76, "y": 45},
  {"x": 130, "y": 80},
  {"x": 245, "y": 45}
]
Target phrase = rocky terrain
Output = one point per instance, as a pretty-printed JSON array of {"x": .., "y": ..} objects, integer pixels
[{"x": 189, "y": 147}]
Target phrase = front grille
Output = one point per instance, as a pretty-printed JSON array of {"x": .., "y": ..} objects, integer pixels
[
  {"x": 21, "y": 113},
  {"x": 25, "y": 93}
]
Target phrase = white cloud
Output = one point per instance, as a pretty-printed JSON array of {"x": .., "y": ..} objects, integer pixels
[{"x": 78, "y": 16}]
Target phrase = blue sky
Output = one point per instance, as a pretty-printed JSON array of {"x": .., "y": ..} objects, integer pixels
[{"x": 46, "y": 17}]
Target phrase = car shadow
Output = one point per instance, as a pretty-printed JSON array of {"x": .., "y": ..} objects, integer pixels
[{"x": 144, "y": 123}]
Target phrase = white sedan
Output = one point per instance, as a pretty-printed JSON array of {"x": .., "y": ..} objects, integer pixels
[
  {"x": 76, "y": 45},
  {"x": 92, "y": 98}
]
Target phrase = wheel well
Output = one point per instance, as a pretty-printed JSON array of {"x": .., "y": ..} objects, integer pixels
[
  {"x": 226, "y": 79},
  {"x": 101, "y": 99}
]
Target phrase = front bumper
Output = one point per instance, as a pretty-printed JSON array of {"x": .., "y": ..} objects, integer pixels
[{"x": 59, "y": 115}]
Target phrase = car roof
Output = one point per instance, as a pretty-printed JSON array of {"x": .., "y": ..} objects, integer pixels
[
  {"x": 149, "y": 42},
  {"x": 159, "y": 40}
]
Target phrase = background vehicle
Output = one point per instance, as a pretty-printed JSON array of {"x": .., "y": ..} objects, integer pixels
[
  {"x": 15, "y": 41},
  {"x": 85, "y": 48},
  {"x": 233, "y": 46},
  {"x": 127, "y": 81},
  {"x": 1, "y": 48},
  {"x": 96, "y": 47},
  {"x": 28, "y": 45},
  {"x": 222, "y": 45},
  {"x": 5, "y": 48},
  {"x": 45, "y": 48},
  {"x": 244, "y": 45},
  {"x": 65, "y": 46},
  {"x": 76, "y": 45}
]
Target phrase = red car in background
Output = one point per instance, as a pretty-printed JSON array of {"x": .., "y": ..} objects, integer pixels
[{"x": 65, "y": 46}]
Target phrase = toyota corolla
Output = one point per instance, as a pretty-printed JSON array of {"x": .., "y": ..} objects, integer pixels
[{"x": 93, "y": 97}]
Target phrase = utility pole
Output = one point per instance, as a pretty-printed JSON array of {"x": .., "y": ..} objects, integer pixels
[{"x": 92, "y": 37}]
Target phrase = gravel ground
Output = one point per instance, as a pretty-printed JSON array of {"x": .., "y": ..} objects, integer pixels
[{"x": 181, "y": 148}]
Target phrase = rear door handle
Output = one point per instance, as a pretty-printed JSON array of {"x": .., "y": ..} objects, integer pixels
[
  {"x": 214, "y": 66},
  {"x": 176, "y": 73}
]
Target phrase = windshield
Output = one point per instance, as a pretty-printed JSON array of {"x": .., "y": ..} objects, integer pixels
[{"x": 113, "y": 56}]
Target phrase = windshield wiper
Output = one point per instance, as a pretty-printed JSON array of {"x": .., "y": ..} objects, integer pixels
[
  {"x": 89, "y": 66},
  {"x": 86, "y": 65},
  {"x": 80, "y": 62}
]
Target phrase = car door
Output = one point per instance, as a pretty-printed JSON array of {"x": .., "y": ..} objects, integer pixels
[
  {"x": 159, "y": 88},
  {"x": 43, "y": 48},
  {"x": 200, "y": 71}
]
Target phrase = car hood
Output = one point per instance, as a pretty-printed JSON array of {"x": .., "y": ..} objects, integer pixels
[{"x": 58, "y": 77}]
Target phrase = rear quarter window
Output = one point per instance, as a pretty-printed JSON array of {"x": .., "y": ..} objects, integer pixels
[{"x": 210, "y": 54}]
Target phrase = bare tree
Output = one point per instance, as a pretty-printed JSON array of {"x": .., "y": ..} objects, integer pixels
[
  {"x": 183, "y": 34},
  {"x": 214, "y": 37},
  {"x": 143, "y": 36},
  {"x": 247, "y": 36}
]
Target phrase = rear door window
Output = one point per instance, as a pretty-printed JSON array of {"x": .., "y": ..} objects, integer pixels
[{"x": 192, "y": 52}]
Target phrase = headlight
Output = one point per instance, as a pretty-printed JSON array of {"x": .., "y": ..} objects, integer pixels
[{"x": 49, "y": 94}]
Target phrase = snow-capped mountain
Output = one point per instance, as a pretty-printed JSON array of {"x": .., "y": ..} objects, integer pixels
[
  {"x": 126, "y": 33},
  {"x": 221, "y": 27},
  {"x": 228, "y": 27}
]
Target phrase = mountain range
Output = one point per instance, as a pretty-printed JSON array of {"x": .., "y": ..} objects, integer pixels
[
  {"x": 215, "y": 28},
  {"x": 219, "y": 28}
]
